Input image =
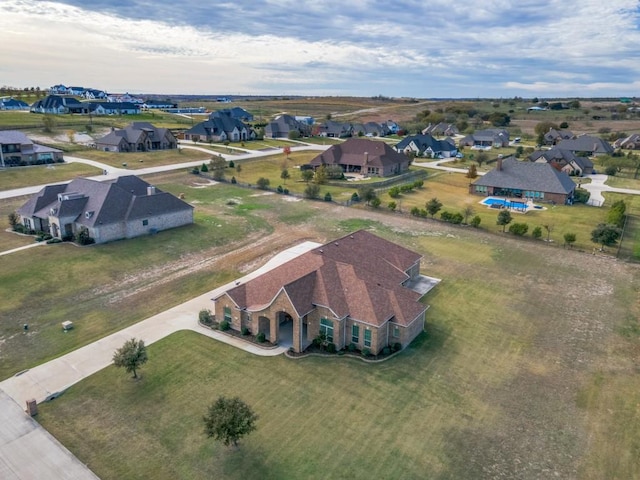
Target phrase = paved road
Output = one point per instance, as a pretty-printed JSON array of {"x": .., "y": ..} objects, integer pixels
[{"x": 27, "y": 451}]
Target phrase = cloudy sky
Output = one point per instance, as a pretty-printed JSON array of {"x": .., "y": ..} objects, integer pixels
[{"x": 402, "y": 48}]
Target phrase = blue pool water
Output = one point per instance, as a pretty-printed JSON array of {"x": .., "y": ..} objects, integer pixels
[{"x": 505, "y": 203}]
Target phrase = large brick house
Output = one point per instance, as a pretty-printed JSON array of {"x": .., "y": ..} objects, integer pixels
[
  {"x": 358, "y": 289},
  {"x": 123, "y": 208}
]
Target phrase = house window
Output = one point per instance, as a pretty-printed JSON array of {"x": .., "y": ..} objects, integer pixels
[
  {"x": 227, "y": 314},
  {"x": 396, "y": 331},
  {"x": 355, "y": 334},
  {"x": 326, "y": 327},
  {"x": 145, "y": 223},
  {"x": 367, "y": 338}
]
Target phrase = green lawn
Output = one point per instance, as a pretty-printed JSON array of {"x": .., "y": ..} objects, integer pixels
[
  {"x": 19, "y": 177},
  {"x": 522, "y": 369},
  {"x": 135, "y": 160}
]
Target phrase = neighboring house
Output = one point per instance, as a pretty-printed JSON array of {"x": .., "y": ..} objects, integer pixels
[
  {"x": 124, "y": 97},
  {"x": 427, "y": 146},
  {"x": 158, "y": 104},
  {"x": 536, "y": 109},
  {"x": 553, "y": 136},
  {"x": 126, "y": 207},
  {"x": 59, "y": 90},
  {"x": 392, "y": 126},
  {"x": 336, "y": 289},
  {"x": 93, "y": 94},
  {"x": 283, "y": 124},
  {"x": 563, "y": 160},
  {"x": 441, "y": 130},
  {"x": 335, "y": 129},
  {"x": 632, "y": 142},
  {"x": 115, "y": 108},
  {"x": 13, "y": 104},
  {"x": 76, "y": 91},
  {"x": 369, "y": 129},
  {"x": 219, "y": 128},
  {"x": 363, "y": 156},
  {"x": 56, "y": 104},
  {"x": 586, "y": 145},
  {"x": 236, "y": 112},
  {"x": 491, "y": 138},
  {"x": 539, "y": 182},
  {"x": 137, "y": 137},
  {"x": 17, "y": 150}
]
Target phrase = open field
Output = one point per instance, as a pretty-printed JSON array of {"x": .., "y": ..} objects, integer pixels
[
  {"x": 134, "y": 160},
  {"x": 18, "y": 177},
  {"x": 527, "y": 370}
]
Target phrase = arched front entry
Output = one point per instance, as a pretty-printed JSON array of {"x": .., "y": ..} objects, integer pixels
[
  {"x": 285, "y": 329},
  {"x": 264, "y": 326}
]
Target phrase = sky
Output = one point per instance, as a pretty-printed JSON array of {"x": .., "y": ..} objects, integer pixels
[{"x": 402, "y": 48}]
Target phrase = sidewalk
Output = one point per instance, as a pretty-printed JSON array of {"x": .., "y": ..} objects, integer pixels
[{"x": 27, "y": 451}]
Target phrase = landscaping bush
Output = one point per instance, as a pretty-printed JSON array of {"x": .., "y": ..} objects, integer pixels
[
  {"x": 19, "y": 228},
  {"x": 375, "y": 202},
  {"x": 260, "y": 337},
  {"x": 415, "y": 211},
  {"x": 233, "y": 180},
  {"x": 455, "y": 218},
  {"x": 355, "y": 197},
  {"x": 386, "y": 351},
  {"x": 352, "y": 347},
  {"x": 611, "y": 171},
  {"x": 518, "y": 229},
  {"x": 54, "y": 240},
  {"x": 285, "y": 191},
  {"x": 366, "y": 352},
  {"x": 327, "y": 197},
  {"x": 195, "y": 171},
  {"x": 331, "y": 348},
  {"x": 263, "y": 183},
  {"x": 246, "y": 331},
  {"x": 224, "y": 326},
  {"x": 418, "y": 184},
  {"x": 536, "y": 232},
  {"x": 279, "y": 189},
  {"x": 580, "y": 195},
  {"x": 231, "y": 164},
  {"x": 394, "y": 192},
  {"x": 397, "y": 347},
  {"x": 205, "y": 316}
]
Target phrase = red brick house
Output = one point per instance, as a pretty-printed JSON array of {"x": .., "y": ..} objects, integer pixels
[{"x": 358, "y": 289}]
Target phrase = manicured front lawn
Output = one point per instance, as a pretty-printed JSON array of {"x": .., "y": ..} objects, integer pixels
[{"x": 19, "y": 177}]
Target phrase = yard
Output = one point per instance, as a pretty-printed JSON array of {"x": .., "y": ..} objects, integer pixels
[
  {"x": 135, "y": 160},
  {"x": 19, "y": 177},
  {"x": 526, "y": 371}
]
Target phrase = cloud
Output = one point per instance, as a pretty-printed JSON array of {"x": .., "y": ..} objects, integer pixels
[{"x": 499, "y": 48}]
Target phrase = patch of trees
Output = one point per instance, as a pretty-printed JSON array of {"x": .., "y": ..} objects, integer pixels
[
  {"x": 228, "y": 420},
  {"x": 616, "y": 213}
]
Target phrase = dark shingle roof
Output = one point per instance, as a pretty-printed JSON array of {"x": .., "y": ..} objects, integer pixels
[
  {"x": 540, "y": 177},
  {"x": 424, "y": 142},
  {"x": 586, "y": 143},
  {"x": 357, "y": 151}
]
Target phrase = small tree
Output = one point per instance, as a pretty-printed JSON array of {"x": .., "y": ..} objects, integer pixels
[
  {"x": 536, "y": 232},
  {"x": 569, "y": 239},
  {"x": 306, "y": 175},
  {"x": 217, "y": 165},
  {"x": 392, "y": 206},
  {"x": 375, "y": 202},
  {"x": 229, "y": 419},
  {"x": 549, "y": 228},
  {"x": 475, "y": 221},
  {"x": 519, "y": 229},
  {"x": 238, "y": 170},
  {"x": 433, "y": 206},
  {"x": 131, "y": 356},
  {"x": 320, "y": 176},
  {"x": 467, "y": 211},
  {"x": 472, "y": 171},
  {"x": 263, "y": 183},
  {"x": 14, "y": 219},
  {"x": 48, "y": 123},
  {"x": 312, "y": 191},
  {"x": 504, "y": 219},
  {"x": 366, "y": 193},
  {"x": 284, "y": 175},
  {"x": 605, "y": 234},
  {"x": 481, "y": 158},
  {"x": 328, "y": 197},
  {"x": 204, "y": 168}
]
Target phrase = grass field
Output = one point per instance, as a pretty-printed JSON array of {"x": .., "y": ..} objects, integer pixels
[
  {"x": 19, "y": 177},
  {"x": 135, "y": 160},
  {"x": 522, "y": 373}
]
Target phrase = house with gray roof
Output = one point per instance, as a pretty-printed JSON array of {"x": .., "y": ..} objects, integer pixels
[
  {"x": 126, "y": 207},
  {"x": 441, "y": 129},
  {"x": 283, "y": 124},
  {"x": 236, "y": 112},
  {"x": 427, "y": 146},
  {"x": 539, "y": 182},
  {"x": 55, "y": 104},
  {"x": 220, "y": 127},
  {"x": 553, "y": 136},
  {"x": 563, "y": 160},
  {"x": 335, "y": 290},
  {"x": 333, "y": 129},
  {"x": 586, "y": 145},
  {"x": 13, "y": 104},
  {"x": 369, "y": 129},
  {"x": 632, "y": 142},
  {"x": 137, "y": 137},
  {"x": 486, "y": 139},
  {"x": 363, "y": 156},
  {"x": 17, "y": 150}
]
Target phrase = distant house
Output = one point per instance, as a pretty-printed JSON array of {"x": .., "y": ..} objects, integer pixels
[
  {"x": 427, "y": 146},
  {"x": 158, "y": 104},
  {"x": 124, "y": 97},
  {"x": 236, "y": 112},
  {"x": 369, "y": 129},
  {"x": 78, "y": 91},
  {"x": 553, "y": 136},
  {"x": 392, "y": 126},
  {"x": 563, "y": 160},
  {"x": 363, "y": 156},
  {"x": 93, "y": 94},
  {"x": 632, "y": 142},
  {"x": 126, "y": 207},
  {"x": 59, "y": 90},
  {"x": 16, "y": 149},
  {"x": 56, "y": 104},
  {"x": 535, "y": 109},
  {"x": 115, "y": 108},
  {"x": 137, "y": 137},
  {"x": 13, "y": 104},
  {"x": 490, "y": 138},
  {"x": 333, "y": 129},
  {"x": 532, "y": 181},
  {"x": 586, "y": 145},
  {"x": 219, "y": 127},
  {"x": 359, "y": 289},
  {"x": 441, "y": 130},
  {"x": 283, "y": 124}
]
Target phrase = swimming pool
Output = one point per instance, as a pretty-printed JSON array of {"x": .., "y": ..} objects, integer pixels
[{"x": 489, "y": 201}]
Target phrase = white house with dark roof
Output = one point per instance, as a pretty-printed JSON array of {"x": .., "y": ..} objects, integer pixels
[
  {"x": 529, "y": 180},
  {"x": 126, "y": 207},
  {"x": 359, "y": 289},
  {"x": 13, "y": 104},
  {"x": 490, "y": 138},
  {"x": 426, "y": 145},
  {"x": 137, "y": 137}
]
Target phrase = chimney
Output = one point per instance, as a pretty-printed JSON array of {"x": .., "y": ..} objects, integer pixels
[
  {"x": 366, "y": 158},
  {"x": 151, "y": 190},
  {"x": 499, "y": 167}
]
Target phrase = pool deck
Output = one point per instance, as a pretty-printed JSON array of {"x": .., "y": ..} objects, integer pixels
[{"x": 514, "y": 204}]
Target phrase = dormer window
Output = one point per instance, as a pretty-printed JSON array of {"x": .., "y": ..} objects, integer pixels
[
  {"x": 88, "y": 215},
  {"x": 53, "y": 211}
]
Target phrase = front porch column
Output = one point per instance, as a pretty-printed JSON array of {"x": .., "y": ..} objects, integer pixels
[{"x": 297, "y": 335}]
